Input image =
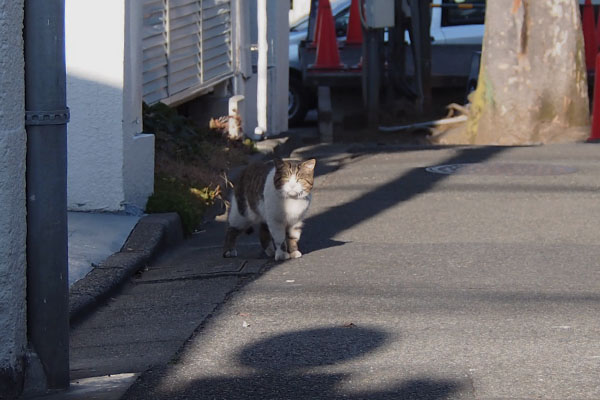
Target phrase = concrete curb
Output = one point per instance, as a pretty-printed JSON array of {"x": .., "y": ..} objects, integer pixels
[{"x": 152, "y": 235}]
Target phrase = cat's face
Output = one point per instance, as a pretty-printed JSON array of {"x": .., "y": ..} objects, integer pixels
[{"x": 294, "y": 179}]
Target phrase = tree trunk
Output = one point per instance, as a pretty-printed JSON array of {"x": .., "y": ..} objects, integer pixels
[{"x": 532, "y": 85}]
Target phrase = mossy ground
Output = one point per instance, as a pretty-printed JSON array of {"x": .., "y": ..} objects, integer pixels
[{"x": 191, "y": 164}]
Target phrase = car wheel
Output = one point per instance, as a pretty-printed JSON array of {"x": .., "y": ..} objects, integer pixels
[{"x": 297, "y": 101}]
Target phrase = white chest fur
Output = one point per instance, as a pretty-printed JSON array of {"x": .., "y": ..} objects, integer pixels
[{"x": 281, "y": 209}]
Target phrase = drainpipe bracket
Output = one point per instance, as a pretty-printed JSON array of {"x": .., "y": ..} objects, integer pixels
[{"x": 56, "y": 117}]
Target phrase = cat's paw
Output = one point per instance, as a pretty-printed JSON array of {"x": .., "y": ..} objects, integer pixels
[
  {"x": 295, "y": 254},
  {"x": 230, "y": 253},
  {"x": 281, "y": 255}
]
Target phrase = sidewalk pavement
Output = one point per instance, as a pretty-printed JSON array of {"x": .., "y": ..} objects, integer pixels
[
  {"x": 106, "y": 249},
  {"x": 461, "y": 281},
  {"x": 93, "y": 237}
]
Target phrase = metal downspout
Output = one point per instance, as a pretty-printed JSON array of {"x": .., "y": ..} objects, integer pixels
[
  {"x": 46, "y": 119},
  {"x": 262, "y": 71}
]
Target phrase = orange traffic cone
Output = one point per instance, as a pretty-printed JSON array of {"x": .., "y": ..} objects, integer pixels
[
  {"x": 317, "y": 27},
  {"x": 328, "y": 56},
  {"x": 354, "y": 31},
  {"x": 595, "y": 134},
  {"x": 589, "y": 35}
]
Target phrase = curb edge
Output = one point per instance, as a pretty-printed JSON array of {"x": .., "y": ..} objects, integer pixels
[{"x": 151, "y": 236}]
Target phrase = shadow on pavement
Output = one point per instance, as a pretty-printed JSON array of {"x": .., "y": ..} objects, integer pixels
[
  {"x": 321, "y": 228},
  {"x": 286, "y": 367},
  {"x": 304, "y": 364}
]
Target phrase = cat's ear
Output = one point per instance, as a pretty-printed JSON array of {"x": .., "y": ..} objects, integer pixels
[{"x": 308, "y": 165}]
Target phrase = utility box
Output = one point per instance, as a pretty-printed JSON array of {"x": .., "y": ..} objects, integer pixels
[{"x": 379, "y": 13}]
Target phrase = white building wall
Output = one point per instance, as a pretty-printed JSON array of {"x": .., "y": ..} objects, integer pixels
[
  {"x": 13, "y": 225},
  {"x": 300, "y": 9},
  {"x": 110, "y": 165}
]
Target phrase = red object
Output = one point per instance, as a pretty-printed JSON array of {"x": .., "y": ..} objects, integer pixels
[
  {"x": 354, "y": 33},
  {"x": 328, "y": 55},
  {"x": 598, "y": 30},
  {"x": 595, "y": 134},
  {"x": 589, "y": 35},
  {"x": 317, "y": 27}
]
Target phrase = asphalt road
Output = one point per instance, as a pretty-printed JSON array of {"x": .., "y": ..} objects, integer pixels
[{"x": 480, "y": 284}]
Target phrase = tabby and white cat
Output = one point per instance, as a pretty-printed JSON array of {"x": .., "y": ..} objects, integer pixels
[{"x": 276, "y": 196}]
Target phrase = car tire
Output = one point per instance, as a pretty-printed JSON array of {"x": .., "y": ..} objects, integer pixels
[{"x": 297, "y": 101}]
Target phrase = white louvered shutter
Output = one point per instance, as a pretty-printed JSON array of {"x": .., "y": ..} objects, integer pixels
[
  {"x": 154, "y": 49},
  {"x": 186, "y": 47}
]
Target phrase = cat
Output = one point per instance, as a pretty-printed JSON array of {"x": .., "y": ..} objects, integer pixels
[{"x": 275, "y": 196}]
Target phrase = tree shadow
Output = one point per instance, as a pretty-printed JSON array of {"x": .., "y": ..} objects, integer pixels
[
  {"x": 287, "y": 366},
  {"x": 321, "y": 228},
  {"x": 294, "y": 351}
]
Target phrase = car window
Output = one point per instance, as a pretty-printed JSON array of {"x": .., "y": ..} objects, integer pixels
[
  {"x": 453, "y": 16},
  {"x": 341, "y": 17},
  {"x": 341, "y": 22},
  {"x": 302, "y": 26}
]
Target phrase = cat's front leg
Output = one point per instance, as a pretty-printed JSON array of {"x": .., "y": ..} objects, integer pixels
[
  {"x": 293, "y": 235},
  {"x": 278, "y": 234}
]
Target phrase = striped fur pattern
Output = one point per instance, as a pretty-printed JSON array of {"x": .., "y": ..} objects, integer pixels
[{"x": 275, "y": 196}]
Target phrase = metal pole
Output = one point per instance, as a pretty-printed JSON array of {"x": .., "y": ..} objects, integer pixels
[
  {"x": 425, "y": 15},
  {"x": 397, "y": 70},
  {"x": 262, "y": 70},
  {"x": 372, "y": 73},
  {"x": 46, "y": 119},
  {"x": 421, "y": 43}
]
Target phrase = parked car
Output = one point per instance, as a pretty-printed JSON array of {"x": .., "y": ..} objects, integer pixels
[{"x": 456, "y": 36}]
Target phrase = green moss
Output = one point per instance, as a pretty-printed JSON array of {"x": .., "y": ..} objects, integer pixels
[
  {"x": 250, "y": 146},
  {"x": 172, "y": 195},
  {"x": 480, "y": 98}
]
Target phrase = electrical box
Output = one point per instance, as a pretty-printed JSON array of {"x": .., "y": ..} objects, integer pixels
[{"x": 379, "y": 13}]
